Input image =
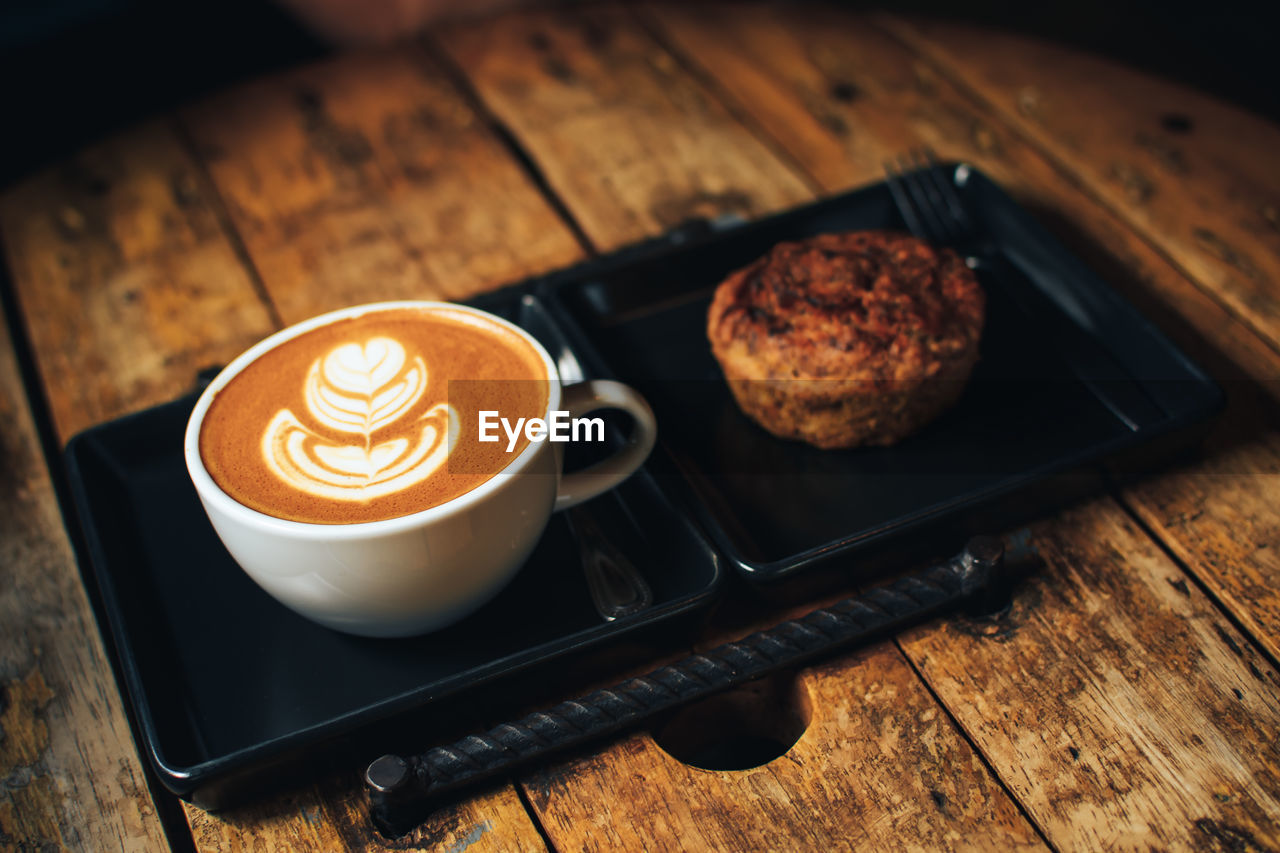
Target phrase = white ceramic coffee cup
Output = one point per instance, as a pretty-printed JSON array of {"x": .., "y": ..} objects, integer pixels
[{"x": 419, "y": 572}]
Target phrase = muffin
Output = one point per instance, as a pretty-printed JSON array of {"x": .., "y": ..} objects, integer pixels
[{"x": 849, "y": 339}]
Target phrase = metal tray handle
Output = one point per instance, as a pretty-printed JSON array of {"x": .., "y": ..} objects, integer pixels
[{"x": 403, "y": 789}]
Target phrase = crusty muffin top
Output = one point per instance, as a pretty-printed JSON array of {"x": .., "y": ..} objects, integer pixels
[{"x": 868, "y": 304}]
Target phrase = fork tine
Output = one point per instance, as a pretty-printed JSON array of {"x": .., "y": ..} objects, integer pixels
[
  {"x": 900, "y": 198},
  {"x": 955, "y": 205},
  {"x": 926, "y": 174},
  {"x": 935, "y": 225}
]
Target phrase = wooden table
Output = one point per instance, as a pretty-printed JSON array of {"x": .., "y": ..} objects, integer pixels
[{"x": 1130, "y": 698}]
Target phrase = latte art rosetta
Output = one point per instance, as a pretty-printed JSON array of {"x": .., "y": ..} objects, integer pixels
[
  {"x": 370, "y": 416},
  {"x": 358, "y": 389}
]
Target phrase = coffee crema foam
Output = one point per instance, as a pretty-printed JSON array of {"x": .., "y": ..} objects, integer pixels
[{"x": 353, "y": 421}]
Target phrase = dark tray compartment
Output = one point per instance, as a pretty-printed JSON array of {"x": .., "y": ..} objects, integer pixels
[
  {"x": 234, "y": 692},
  {"x": 1070, "y": 376}
]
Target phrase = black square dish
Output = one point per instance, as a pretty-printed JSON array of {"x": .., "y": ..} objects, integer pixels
[
  {"x": 1069, "y": 375},
  {"x": 233, "y": 690}
]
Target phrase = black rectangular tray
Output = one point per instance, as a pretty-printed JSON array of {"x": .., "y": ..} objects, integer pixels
[
  {"x": 1069, "y": 376},
  {"x": 232, "y": 689},
  {"x": 234, "y": 692}
]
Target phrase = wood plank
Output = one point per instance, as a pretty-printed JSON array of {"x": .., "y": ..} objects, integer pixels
[
  {"x": 368, "y": 177},
  {"x": 629, "y": 141},
  {"x": 333, "y": 816},
  {"x": 70, "y": 777},
  {"x": 110, "y": 255},
  {"x": 1114, "y": 699},
  {"x": 1219, "y": 517},
  {"x": 1196, "y": 176},
  {"x": 494, "y": 820},
  {"x": 879, "y": 767},
  {"x": 867, "y": 99}
]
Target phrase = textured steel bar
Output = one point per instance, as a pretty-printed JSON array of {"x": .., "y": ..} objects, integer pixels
[{"x": 403, "y": 789}]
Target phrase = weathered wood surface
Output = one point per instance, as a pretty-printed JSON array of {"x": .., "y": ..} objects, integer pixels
[
  {"x": 1196, "y": 176},
  {"x": 1219, "y": 517},
  {"x": 70, "y": 777},
  {"x": 843, "y": 97},
  {"x": 879, "y": 767},
  {"x": 630, "y": 142},
  {"x": 1106, "y": 701},
  {"x": 333, "y": 817},
  {"x": 1191, "y": 178},
  {"x": 369, "y": 178},
  {"x": 127, "y": 281},
  {"x": 1114, "y": 699}
]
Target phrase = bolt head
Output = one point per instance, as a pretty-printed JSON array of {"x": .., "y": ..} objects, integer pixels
[
  {"x": 386, "y": 773},
  {"x": 985, "y": 551}
]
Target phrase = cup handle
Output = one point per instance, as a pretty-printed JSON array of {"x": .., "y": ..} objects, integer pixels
[{"x": 583, "y": 398}]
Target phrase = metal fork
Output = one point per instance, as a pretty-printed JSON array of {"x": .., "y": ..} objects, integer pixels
[
  {"x": 934, "y": 211},
  {"x": 928, "y": 201}
]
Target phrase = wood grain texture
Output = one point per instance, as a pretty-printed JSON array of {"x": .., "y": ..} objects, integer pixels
[
  {"x": 1114, "y": 699},
  {"x": 879, "y": 767},
  {"x": 333, "y": 816},
  {"x": 368, "y": 177},
  {"x": 865, "y": 98},
  {"x": 1196, "y": 176},
  {"x": 70, "y": 777},
  {"x": 127, "y": 282},
  {"x": 627, "y": 139},
  {"x": 1219, "y": 517},
  {"x": 842, "y": 96}
]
